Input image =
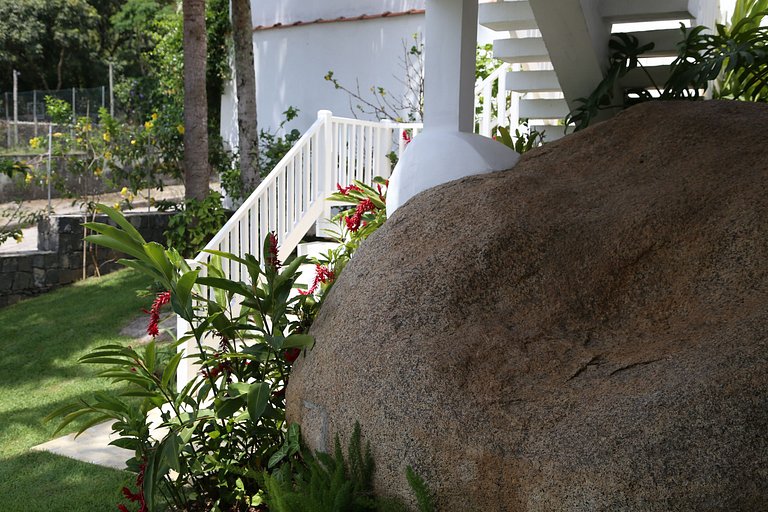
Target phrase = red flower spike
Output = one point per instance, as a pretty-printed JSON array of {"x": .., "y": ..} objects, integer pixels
[
  {"x": 366, "y": 205},
  {"x": 353, "y": 222},
  {"x": 154, "y": 313},
  {"x": 345, "y": 190},
  {"x": 272, "y": 260},
  {"x": 123, "y": 508},
  {"x": 322, "y": 275}
]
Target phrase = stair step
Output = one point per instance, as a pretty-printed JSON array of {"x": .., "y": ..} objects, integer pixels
[
  {"x": 543, "y": 109},
  {"x": 532, "y": 81},
  {"x": 625, "y": 11},
  {"x": 552, "y": 132},
  {"x": 665, "y": 41},
  {"x": 315, "y": 249},
  {"x": 638, "y": 79},
  {"x": 518, "y": 51},
  {"x": 511, "y": 15}
]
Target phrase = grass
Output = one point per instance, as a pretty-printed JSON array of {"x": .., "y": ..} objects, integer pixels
[{"x": 41, "y": 340}]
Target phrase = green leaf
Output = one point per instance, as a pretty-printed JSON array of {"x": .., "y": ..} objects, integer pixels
[
  {"x": 258, "y": 396},
  {"x": 298, "y": 341},
  {"x": 119, "y": 219},
  {"x": 170, "y": 369}
]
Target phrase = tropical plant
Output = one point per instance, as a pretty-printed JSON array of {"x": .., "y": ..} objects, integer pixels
[
  {"x": 328, "y": 483},
  {"x": 736, "y": 57},
  {"x": 219, "y": 430},
  {"x": 195, "y": 223},
  {"x": 522, "y": 141}
]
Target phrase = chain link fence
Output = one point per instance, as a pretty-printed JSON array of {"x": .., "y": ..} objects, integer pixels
[{"x": 26, "y": 117}]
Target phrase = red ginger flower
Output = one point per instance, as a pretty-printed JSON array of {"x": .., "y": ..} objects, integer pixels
[
  {"x": 291, "y": 354},
  {"x": 406, "y": 137},
  {"x": 154, "y": 313},
  {"x": 345, "y": 190},
  {"x": 322, "y": 275},
  {"x": 366, "y": 205},
  {"x": 272, "y": 260},
  {"x": 353, "y": 222}
]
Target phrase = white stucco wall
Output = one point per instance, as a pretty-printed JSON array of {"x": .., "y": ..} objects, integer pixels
[
  {"x": 291, "y": 63},
  {"x": 270, "y": 12}
]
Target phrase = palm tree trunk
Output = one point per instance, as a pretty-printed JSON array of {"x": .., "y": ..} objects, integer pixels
[
  {"x": 196, "y": 168},
  {"x": 242, "y": 33}
]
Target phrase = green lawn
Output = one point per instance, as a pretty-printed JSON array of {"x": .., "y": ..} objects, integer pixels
[{"x": 40, "y": 342}]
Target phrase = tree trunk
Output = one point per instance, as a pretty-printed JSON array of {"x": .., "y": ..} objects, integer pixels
[
  {"x": 242, "y": 33},
  {"x": 196, "y": 168}
]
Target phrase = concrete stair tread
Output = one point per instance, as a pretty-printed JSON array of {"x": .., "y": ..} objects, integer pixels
[
  {"x": 520, "y": 50},
  {"x": 665, "y": 41},
  {"x": 637, "y": 78},
  {"x": 621, "y": 11},
  {"x": 543, "y": 108},
  {"x": 509, "y": 15},
  {"x": 532, "y": 81}
]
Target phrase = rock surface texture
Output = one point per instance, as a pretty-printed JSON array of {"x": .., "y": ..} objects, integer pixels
[{"x": 587, "y": 332}]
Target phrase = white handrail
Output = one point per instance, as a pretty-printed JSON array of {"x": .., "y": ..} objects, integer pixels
[{"x": 485, "y": 101}]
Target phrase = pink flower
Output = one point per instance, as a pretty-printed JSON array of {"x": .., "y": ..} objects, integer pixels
[{"x": 406, "y": 138}]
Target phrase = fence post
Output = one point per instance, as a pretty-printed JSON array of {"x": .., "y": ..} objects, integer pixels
[
  {"x": 325, "y": 173},
  {"x": 34, "y": 109},
  {"x": 74, "y": 113},
  {"x": 383, "y": 163},
  {"x": 15, "y": 108},
  {"x": 7, "y": 123}
]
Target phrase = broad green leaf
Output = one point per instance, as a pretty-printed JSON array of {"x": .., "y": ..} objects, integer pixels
[{"x": 258, "y": 396}]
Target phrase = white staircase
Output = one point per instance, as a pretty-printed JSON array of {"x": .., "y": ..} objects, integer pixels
[{"x": 558, "y": 49}]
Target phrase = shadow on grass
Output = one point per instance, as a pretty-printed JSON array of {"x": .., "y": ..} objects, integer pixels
[
  {"x": 43, "y": 337},
  {"x": 39, "y": 481}
]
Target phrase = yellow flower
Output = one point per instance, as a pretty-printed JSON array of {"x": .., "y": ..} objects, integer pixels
[
  {"x": 154, "y": 116},
  {"x": 117, "y": 206},
  {"x": 133, "y": 142},
  {"x": 28, "y": 179},
  {"x": 108, "y": 155},
  {"x": 97, "y": 172},
  {"x": 57, "y": 134},
  {"x": 148, "y": 125},
  {"x": 35, "y": 142},
  {"x": 106, "y": 137},
  {"x": 18, "y": 237},
  {"x": 124, "y": 191},
  {"x": 180, "y": 129}
]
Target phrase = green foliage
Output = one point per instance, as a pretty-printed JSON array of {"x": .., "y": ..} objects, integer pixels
[
  {"x": 523, "y": 141},
  {"x": 329, "y": 483},
  {"x": 625, "y": 51},
  {"x": 272, "y": 148},
  {"x": 736, "y": 57},
  {"x": 195, "y": 224},
  {"x": 228, "y": 420},
  {"x": 52, "y": 43}
]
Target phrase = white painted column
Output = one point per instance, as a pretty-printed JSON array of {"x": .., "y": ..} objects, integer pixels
[
  {"x": 447, "y": 149},
  {"x": 449, "y": 65}
]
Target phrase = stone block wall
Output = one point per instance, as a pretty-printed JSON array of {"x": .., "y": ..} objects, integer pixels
[{"x": 59, "y": 258}]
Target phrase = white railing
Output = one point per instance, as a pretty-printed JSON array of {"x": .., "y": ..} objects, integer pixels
[
  {"x": 485, "y": 101},
  {"x": 293, "y": 196}
]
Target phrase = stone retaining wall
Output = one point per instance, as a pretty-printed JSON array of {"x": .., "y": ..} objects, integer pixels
[{"x": 59, "y": 258}]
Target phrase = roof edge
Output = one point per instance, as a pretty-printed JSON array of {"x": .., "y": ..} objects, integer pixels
[{"x": 386, "y": 14}]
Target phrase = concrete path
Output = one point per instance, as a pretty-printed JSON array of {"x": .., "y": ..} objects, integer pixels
[{"x": 91, "y": 446}]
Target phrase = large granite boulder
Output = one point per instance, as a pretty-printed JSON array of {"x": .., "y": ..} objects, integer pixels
[{"x": 586, "y": 332}]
